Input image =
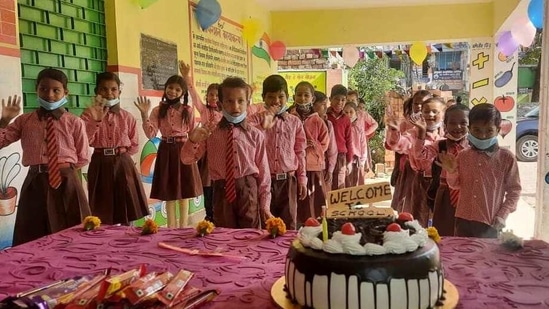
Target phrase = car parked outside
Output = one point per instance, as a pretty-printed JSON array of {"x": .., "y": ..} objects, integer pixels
[{"x": 527, "y": 136}]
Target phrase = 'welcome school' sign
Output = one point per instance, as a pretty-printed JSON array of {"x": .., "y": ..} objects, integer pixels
[{"x": 353, "y": 202}]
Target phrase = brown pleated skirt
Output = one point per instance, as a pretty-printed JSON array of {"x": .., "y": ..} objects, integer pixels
[
  {"x": 311, "y": 206},
  {"x": 419, "y": 206},
  {"x": 402, "y": 195},
  {"x": 115, "y": 190},
  {"x": 42, "y": 210},
  {"x": 444, "y": 218},
  {"x": 173, "y": 180}
]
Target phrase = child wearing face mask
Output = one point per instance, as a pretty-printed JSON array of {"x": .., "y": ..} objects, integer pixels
[
  {"x": 55, "y": 145},
  {"x": 318, "y": 140},
  {"x": 115, "y": 189},
  {"x": 442, "y": 198},
  {"x": 173, "y": 181},
  {"x": 342, "y": 131},
  {"x": 320, "y": 105},
  {"x": 234, "y": 142},
  {"x": 210, "y": 115},
  {"x": 285, "y": 142},
  {"x": 399, "y": 136},
  {"x": 360, "y": 157},
  {"x": 486, "y": 176}
]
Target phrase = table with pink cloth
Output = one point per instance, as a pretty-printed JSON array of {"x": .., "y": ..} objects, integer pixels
[{"x": 486, "y": 274}]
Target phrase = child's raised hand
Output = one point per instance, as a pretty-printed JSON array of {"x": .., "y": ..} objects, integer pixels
[
  {"x": 11, "y": 109},
  {"x": 268, "y": 121},
  {"x": 184, "y": 69},
  {"x": 199, "y": 134},
  {"x": 144, "y": 105},
  {"x": 418, "y": 121},
  {"x": 448, "y": 162},
  {"x": 97, "y": 109}
]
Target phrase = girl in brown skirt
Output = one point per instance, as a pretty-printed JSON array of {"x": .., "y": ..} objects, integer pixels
[
  {"x": 318, "y": 140},
  {"x": 173, "y": 181},
  {"x": 114, "y": 187},
  {"x": 55, "y": 145}
]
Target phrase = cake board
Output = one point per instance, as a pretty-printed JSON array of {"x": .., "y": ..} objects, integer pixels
[{"x": 280, "y": 297}]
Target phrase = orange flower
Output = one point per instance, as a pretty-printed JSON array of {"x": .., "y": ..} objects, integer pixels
[
  {"x": 433, "y": 234},
  {"x": 204, "y": 228},
  {"x": 149, "y": 227},
  {"x": 275, "y": 227},
  {"x": 91, "y": 223}
]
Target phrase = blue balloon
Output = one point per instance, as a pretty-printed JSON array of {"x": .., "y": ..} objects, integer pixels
[
  {"x": 536, "y": 10},
  {"x": 207, "y": 13}
]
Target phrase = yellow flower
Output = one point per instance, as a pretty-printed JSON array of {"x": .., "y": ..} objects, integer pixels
[
  {"x": 149, "y": 227},
  {"x": 275, "y": 227},
  {"x": 433, "y": 234},
  {"x": 91, "y": 223},
  {"x": 204, "y": 228}
]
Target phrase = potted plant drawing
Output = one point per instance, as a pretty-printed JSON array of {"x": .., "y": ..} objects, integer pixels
[{"x": 9, "y": 169}]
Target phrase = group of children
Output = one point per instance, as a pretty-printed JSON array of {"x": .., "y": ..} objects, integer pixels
[
  {"x": 449, "y": 167},
  {"x": 253, "y": 163}
]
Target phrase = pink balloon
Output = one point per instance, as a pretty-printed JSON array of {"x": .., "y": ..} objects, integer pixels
[
  {"x": 351, "y": 55},
  {"x": 277, "y": 50},
  {"x": 505, "y": 127},
  {"x": 523, "y": 31},
  {"x": 506, "y": 44}
]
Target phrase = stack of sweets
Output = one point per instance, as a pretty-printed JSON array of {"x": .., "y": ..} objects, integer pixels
[{"x": 133, "y": 289}]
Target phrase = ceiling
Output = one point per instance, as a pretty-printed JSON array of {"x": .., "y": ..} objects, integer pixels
[{"x": 296, "y": 5}]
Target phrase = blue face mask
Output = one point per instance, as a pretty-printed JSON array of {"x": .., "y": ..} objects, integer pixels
[
  {"x": 234, "y": 120},
  {"x": 283, "y": 109},
  {"x": 111, "y": 103},
  {"x": 482, "y": 144},
  {"x": 52, "y": 106}
]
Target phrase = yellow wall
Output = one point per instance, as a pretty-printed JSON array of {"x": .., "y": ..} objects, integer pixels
[{"x": 435, "y": 23}]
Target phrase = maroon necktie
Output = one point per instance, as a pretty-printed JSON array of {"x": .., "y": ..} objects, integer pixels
[
  {"x": 54, "y": 175},
  {"x": 230, "y": 188}
]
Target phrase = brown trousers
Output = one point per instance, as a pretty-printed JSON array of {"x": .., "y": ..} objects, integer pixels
[
  {"x": 244, "y": 212},
  {"x": 467, "y": 228},
  {"x": 340, "y": 171},
  {"x": 311, "y": 206},
  {"x": 42, "y": 210},
  {"x": 284, "y": 200}
]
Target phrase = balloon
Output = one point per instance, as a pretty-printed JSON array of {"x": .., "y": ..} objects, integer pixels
[
  {"x": 145, "y": 3},
  {"x": 207, "y": 13},
  {"x": 505, "y": 127},
  {"x": 506, "y": 44},
  {"x": 351, "y": 55},
  {"x": 535, "y": 12},
  {"x": 277, "y": 50},
  {"x": 523, "y": 31},
  {"x": 251, "y": 30},
  {"x": 418, "y": 52}
]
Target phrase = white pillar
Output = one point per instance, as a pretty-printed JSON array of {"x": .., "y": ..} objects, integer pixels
[{"x": 542, "y": 195}]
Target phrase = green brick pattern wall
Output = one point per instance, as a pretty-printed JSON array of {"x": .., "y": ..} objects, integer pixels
[{"x": 64, "y": 34}]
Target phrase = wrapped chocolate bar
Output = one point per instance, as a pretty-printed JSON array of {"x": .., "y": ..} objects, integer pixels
[
  {"x": 142, "y": 289},
  {"x": 202, "y": 297},
  {"x": 53, "y": 295},
  {"x": 175, "y": 287},
  {"x": 118, "y": 282}
]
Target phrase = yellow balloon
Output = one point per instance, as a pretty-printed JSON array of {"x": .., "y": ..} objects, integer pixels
[
  {"x": 251, "y": 30},
  {"x": 418, "y": 52}
]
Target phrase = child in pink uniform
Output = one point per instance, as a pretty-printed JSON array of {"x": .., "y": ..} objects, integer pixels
[
  {"x": 360, "y": 157},
  {"x": 320, "y": 106}
]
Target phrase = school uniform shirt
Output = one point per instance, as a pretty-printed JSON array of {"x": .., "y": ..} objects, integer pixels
[
  {"x": 331, "y": 152},
  {"x": 172, "y": 124},
  {"x": 250, "y": 159},
  {"x": 118, "y": 128},
  {"x": 30, "y": 128},
  {"x": 285, "y": 144},
  {"x": 209, "y": 117},
  {"x": 428, "y": 152},
  {"x": 254, "y": 108},
  {"x": 360, "y": 145},
  {"x": 316, "y": 131},
  {"x": 370, "y": 124},
  {"x": 342, "y": 131},
  {"x": 403, "y": 143},
  {"x": 489, "y": 184}
]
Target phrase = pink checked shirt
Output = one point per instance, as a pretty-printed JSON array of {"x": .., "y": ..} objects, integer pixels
[
  {"x": 286, "y": 144},
  {"x": 331, "y": 152},
  {"x": 489, "y": 185},
  {"x": 251, "y": 157},
  {"x": 317, "y": 132},
  {"x": 360, "y": 144},
  {"x": 209, "y": 117},
  {"x": 342, "y": 132},
  {"x": 171, "y": 125},
  {"x": 31, "y": 130},
  {"x": 117, "y": 129},
  {"x": 429, "y": 152}
]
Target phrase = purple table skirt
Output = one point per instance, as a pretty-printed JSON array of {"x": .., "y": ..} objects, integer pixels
[{"x": 486, "y": 274}]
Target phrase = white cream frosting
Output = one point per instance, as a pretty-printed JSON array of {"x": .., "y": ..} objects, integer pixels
[{"x": 308, "y": 234}]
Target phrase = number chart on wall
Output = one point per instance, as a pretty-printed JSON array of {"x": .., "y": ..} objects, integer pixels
[{"x": 217, "y": 52}]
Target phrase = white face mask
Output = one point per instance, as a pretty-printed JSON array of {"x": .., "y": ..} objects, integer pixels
[
  {"x": 453, "y": 138},
  {"x": 434, "y": 126},
  {"x": 111, "y": 103}
]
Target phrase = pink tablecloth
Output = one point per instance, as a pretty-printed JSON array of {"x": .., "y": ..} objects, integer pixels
[{"x": 486, "y": 274}]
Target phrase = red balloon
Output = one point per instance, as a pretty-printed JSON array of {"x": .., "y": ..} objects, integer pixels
[
  {"x": 277, "y": 50},
  {"x": 506, "y": 126}
]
